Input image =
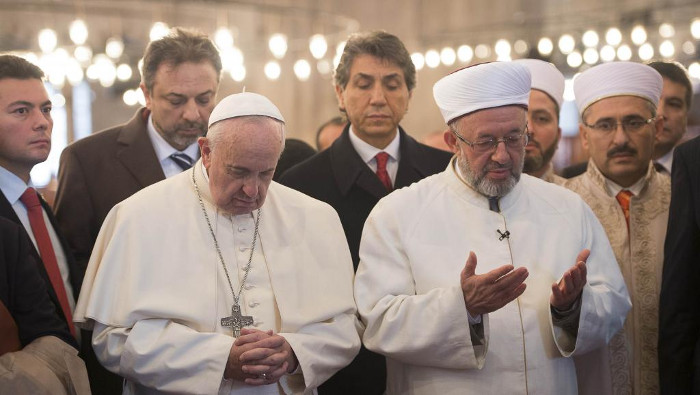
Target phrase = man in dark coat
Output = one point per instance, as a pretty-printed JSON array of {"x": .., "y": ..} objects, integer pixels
[
  {"x": 679, "y": 311},
  {"x": 373, "y": 156}
]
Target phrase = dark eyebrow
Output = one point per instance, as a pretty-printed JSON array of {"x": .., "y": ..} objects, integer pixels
[
  {"x": 394, "y": 76},
  {"x": 28, "y": 104},
  {"x": 180, "y": 95}
]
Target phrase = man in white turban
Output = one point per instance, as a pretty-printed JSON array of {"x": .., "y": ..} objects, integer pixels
[
  {"x": 213, "y": 281},
  {"x": 547, "y": 285},
  {"x": 617, "y": 102},
  {"x": 546, "y": 98}
]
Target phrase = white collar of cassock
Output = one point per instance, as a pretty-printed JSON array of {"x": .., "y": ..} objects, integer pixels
[{"x": 466, "y": 190}]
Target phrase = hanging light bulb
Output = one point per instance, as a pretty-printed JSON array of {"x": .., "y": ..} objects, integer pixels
[
  {"x": 78, "y": 32},
  {"x": 666, "y": 30},
  {"x": 238, "y": 72},
  {"x": 667, "y": 49},
  {"x": 158, "y": 31},
  {"x": 520, "y": 47},
  {"x": 624, "y": 52},
  {"x": 502, "y": 48},
  {"x": 613, "y": 36},
  {"x": 302, "y": 69},
  {"x": 272, "y": 70},
  {"x": 47, "y": 40},
  {"x": 278, "y": 45},
  {"x": 130, "y": 97},
  {"x": 695, "y": 28},
  {"x": 646, "y": 52},
  {"x": 318, "y": 46},
  {"x": 566, "y": 44},
  {"x": 323, "y": 66},
  {"x": 607, "y": 53},
  {"x": 482, "y": 51},
  {"x": 545, "y": 46},
  {"x": 465, "y": 53},
  {"x": 83, "y": 54},
  {"x": 223, "y": 38},
  {"x": 574, "y": 59},
  {"x": 694, "y": 70},
  {"x": 638, "y": 35},
  {"x": 590, "y": 39},
  {"x": 418, "y": 60},
  {"x": 432, "y": 58},
  {"x": 448, "y": 56},
  {"x": 590, "y": 56},
  {"x": 124, "y": 72},
  {"x": 114, "y": 47}
]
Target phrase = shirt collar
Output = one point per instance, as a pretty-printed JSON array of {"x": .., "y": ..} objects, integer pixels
[
  {"x": 613, "y": 188},
  {"x": 162, "y": 148},
  {"x": 367, "y": 151},
  {"x": 12, "y": 186},
  {"x": 667, "y": 160}
]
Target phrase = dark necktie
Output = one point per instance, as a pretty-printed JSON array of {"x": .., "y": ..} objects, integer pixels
[
  {"x": 493, "y": 204},
  {"x": 182, "y": 160},
  {"x": 623, "y": 197},
  {"x": 383, "y": 175},
  {"x": 41, "y": 234}
]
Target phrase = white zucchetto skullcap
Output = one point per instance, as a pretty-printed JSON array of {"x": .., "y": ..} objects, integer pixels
[
  {"x": 617, "y": 79},
  {"x": 244, "y": 104},
  {"x": 482, "y": 86},
  {"x": 545, "y": 77}
]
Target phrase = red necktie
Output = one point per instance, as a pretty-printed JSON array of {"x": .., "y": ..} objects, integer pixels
[
  {"x": 383, "y": 175},
  {"x": 30, "y": 199},
  {"x": 623, "y": 197}
]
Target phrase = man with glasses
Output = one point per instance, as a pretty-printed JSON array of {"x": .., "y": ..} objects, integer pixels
[
  {"x": 617, "y": 102},
  {"x": 512, "y": 327}
]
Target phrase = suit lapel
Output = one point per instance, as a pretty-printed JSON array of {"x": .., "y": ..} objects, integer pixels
[
  {"x": 409, "y": 171},
  {"x": 349, "y": 169},
  {"x": 136, "y": 151}
]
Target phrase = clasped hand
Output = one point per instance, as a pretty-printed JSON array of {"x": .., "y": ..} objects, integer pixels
[{"x": 259, "y": 358}]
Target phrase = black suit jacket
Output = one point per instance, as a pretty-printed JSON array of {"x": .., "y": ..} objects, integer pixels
[
  {"x": 75, "y": 271},
  {"x": 339, "y": 177},
  {"x": 23, "y": 291},
  {"x": 98, "y": 172},
  {"x": 679, "y": 309}
]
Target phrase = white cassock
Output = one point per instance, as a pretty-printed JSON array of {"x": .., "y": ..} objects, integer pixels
[
  {"x": 415, "y": 244},
  {"x": 155, "y": 291}
]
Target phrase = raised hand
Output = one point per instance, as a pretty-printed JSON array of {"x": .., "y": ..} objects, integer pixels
[
  {"x": 489, "y": 292},
  {"x": 567, "y": 290}
]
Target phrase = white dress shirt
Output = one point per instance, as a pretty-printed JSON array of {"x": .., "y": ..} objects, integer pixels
[
  {"x": 164, "y": 150},
  {"x": 368, "y": 152}
]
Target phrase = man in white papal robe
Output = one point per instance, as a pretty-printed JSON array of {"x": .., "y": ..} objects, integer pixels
[
  {"x": 508, "y": 329},
  {"x": 156, "y": 291}
]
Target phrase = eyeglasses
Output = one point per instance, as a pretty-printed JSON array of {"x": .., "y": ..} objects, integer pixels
[
  {"x": 485, "y": 146},
  {"x": 630, "y": 125}
]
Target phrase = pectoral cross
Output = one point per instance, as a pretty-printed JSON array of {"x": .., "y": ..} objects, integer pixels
[{"x": 236, "y": 321}]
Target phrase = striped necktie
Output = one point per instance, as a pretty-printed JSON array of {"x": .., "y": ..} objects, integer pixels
[{"x": 182, "y": 160}]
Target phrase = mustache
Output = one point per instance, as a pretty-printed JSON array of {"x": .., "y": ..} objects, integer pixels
[
  {"x": 496, "y": 166},
  {"x": 192, "y": 125},
  {"x": 621, "y": 149}
]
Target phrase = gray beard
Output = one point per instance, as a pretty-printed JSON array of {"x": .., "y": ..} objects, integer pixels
[{"x": 487, "y": 187}]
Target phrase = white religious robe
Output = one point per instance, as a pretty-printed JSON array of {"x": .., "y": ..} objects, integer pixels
[
  {"x": 155, "y": 291},
  {"x": 414, "y": 246}
]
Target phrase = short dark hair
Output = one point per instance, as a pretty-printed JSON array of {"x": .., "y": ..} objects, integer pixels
[
  {"x": 12, "y": 66},
  {"x": 179, "y": 46},
  {"x": 338, "y": 121},
  {"x": 379, "y": 44},
  {"x": 675, "y": 72}
]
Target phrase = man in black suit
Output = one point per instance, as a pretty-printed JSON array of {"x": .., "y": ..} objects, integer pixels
[
  {"x": 374, "y": 155},
  {"x": 679, "y": 311},
  {"x": 25, "y": 140}
]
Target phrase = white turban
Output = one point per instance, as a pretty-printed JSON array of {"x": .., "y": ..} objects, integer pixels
[
  {"x": 244, "y": 104},
  {"x": 482, "y": 86},
  {"x": 617, "y": 79},
  {"x": 545, "y": 77}
]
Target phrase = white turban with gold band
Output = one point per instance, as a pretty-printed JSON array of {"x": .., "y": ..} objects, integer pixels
[
  {"x": 482, "y": 86},
  {"x": 617, "y": 79},
  {"x": 244, "y": 104},
  {"x": 546, "y": 78}
]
